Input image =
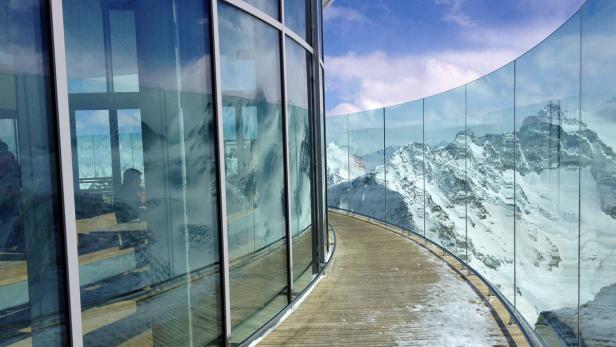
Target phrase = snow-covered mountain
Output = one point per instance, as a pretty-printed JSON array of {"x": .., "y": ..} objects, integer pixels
[{"x": 471, "y": 185}]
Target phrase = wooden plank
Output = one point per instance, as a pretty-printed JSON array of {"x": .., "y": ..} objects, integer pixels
[{"x": 368, "y": 294}]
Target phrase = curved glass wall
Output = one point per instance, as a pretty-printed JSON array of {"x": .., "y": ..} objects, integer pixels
[
  {"x": 251, "y": 88},
  {"x": 300, "y": 162},
  {"x": 512, "y": 173},
  {"x": 185, "y": 120},
  {"x": 33, "y": 306}
]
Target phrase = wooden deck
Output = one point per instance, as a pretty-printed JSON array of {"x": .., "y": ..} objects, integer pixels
[{"x": 383, "y": 289}]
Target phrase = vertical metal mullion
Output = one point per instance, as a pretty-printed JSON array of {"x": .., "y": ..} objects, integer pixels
[
  {"x": 66, "y": 172},
  {"x": 579, "y": 245},
  {"x": 319, "y": 196},
  {"x": 515, "y": 149},
  {"x": 285, "y": 140},
  {"x": 220, "y": 175},
  {"x": 348, "y": 134},
  {"x": 384, "y": 164},
  {"x": 465, "y": 177},
  {"x": 423, "y": 161}
]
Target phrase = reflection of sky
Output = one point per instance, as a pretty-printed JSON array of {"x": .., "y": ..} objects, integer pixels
[
  {"x": 92, "y": 122},
  {"x": 129, "y": 121},
  {"x": 7, "y": 134},
  {"x": 297, "y": 74},
  {"x": 239, "y": 75},
  {"x": 96, "y": 122},
  {"x": 249, "y": 55}
]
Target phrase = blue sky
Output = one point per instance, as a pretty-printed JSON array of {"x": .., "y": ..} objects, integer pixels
[{"x": 384, "y": 52}]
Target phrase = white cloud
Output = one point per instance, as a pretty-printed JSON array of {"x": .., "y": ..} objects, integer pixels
[
  {"x": 376, "y": 79},
  {"x": 454, "y": 13},
  {"x": 338, "y": 13}
]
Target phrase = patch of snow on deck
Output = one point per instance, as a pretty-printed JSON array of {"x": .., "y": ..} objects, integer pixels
[{"x": 452, "y": 312}]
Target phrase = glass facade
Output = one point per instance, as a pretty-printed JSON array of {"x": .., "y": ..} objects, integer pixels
[
  {"x": 404, "y": 127},
  {"x": 511, "y": 173},
  {"x": 33, "y": 303},
  {"x": 182, "y": 136},
  {"x": 300, "y": 161},
  {"x": 254, "y": 163}
]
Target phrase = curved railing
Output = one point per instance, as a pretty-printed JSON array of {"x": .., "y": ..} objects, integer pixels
[{"x": 513, "y": 173}]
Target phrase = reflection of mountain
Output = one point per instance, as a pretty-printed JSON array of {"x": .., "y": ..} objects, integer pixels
[{"x": 476, "y": 195}]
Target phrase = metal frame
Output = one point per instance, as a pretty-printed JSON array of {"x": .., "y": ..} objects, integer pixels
[
  {"x": 285, "y": 150},
  {"x": 318, "y": 191},
  {"x": 316, "y": 124},
  {"x": 220, "y": 175},
  {"x": 59, "y": 74}
]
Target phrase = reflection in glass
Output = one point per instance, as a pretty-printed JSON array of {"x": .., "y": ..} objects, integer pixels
[
  {"x": 130, "y": 139},
  {"x": 547, "y": 184},
  {"x": 297, "y": 17},
  {"x": 445, "y": 175},
  {"x": 300, "y": 162},
  {"x": 251, "y": 90},
  {"x": 145, "y": 184},
  {"x": 32, "y": 277},
  {"x": 490, "y": 171},
  {"x": 598, "y": 175},
  {"x": 93, "y": 136},
  {"x": 404, "y": 179},
  {"x": 269, "y": 7}
]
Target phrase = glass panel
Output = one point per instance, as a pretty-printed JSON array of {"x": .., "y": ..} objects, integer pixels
[
  {"x": 404, "y": 170},
  {"x": 270, "y": 7},
  {"x": 93, "y": 138},
  {"x": 297, "y": 17},
  {"x": 250, "y": 68},
  {"x": 445, "y": 176},
  {"x": 32, "y": 278},
  {"x": 123, "y": 51},
  {"x": 300, "y": 162},
  {"x": 337, "y": 153},
  {"x": 366, "y": 192},
  {"x": 320, "y": 24},
  {"x": 85, "y": 52},
  {"x": 547, "y": 184},
  {"x": 598, "y": 175},
  {"x": 146, "y": 191},
  {"x": 130, "y": 139},
  {"x": 489, "y": 167}
]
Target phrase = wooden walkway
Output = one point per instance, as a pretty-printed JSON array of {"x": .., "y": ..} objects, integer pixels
[{"x": 383, "y": 289}]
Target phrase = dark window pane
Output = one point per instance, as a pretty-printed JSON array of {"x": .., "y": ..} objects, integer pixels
[
  {"x": 143, "y": 137},
  {"x": 32, "y": 276},
  {"x": 250, "y": 65}
]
